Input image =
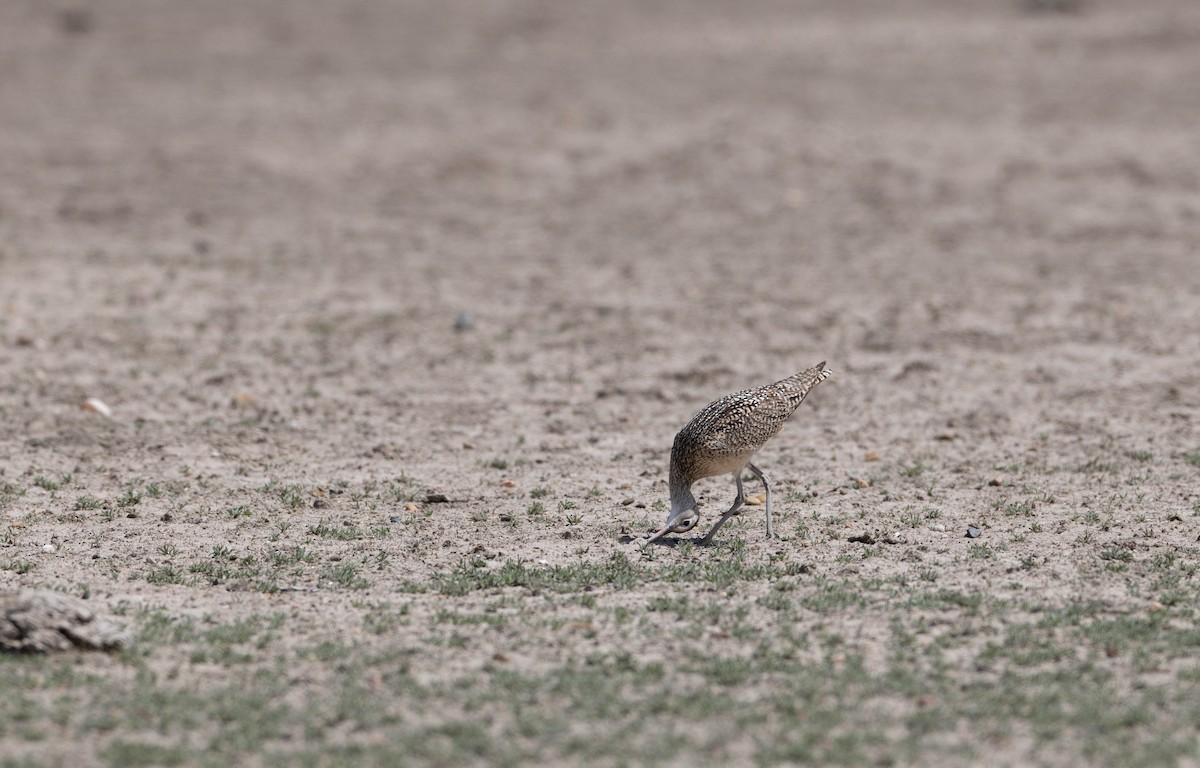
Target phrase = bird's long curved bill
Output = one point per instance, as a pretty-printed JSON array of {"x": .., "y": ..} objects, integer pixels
[{"x": 665, "y": 530}]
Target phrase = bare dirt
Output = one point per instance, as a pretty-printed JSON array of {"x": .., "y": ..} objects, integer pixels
[{"x": 323, "y": 260}]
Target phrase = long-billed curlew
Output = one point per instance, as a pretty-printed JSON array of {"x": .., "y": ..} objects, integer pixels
[{"x": 722, "y": 439}]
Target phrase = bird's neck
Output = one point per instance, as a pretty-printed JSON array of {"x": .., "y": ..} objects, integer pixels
[{"x": 681, "y": 492}]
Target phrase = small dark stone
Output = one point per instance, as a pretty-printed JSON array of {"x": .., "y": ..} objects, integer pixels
[
  {"x": 75, "y": 21},
  {"x": 393, "y": 518},
  {"x": 320, "y": 503},
  {"x": 166, "y": 517},
  {"x": 464, "y": 322},
  {"x": 974, "y": 533},
  {"x": 436, "y": 498},
  {"x": 1052, "y": 6},
  {"x": 862, "y": 538}
]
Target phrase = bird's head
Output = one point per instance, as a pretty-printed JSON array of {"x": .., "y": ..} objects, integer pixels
[{"x": 685, "y": 513}]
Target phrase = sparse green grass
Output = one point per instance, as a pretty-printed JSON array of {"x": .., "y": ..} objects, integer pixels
[
  {"x": 293, "y": 556},
  {"x": 347, "y": 574},
  {"x": 46, "y": 483},
  {"x": 348, "y": 532},
  {"x": 1059, "y": 672},
  {"x": 10, "y": 492},
  {"x": 167, "y": 574},
  {"x": 602, "y": 652},
  {"x": 292, "y": 496},
  {"x": 16, "y": 566},
  {"x": 1023, "y": 507}
]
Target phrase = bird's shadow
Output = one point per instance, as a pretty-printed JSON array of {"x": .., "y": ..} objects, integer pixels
[{"x": 664, "y": 542}]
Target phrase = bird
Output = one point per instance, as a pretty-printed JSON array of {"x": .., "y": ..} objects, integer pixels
[{"x": 723, "y": 437}]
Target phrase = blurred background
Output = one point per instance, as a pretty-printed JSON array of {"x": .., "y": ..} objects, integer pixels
[{"x": 617, "y": 198}]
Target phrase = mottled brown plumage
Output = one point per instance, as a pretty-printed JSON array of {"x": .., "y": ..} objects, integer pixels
[{"x": 723, "y": 437}]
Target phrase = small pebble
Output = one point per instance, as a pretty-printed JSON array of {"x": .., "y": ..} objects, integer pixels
[
  {"x": 97, "y": 406},
  {"x": 409, "y": 508},
  {"x": 996, "y": 481},
  {"x": 464, "y": 322},
  {"x": 974, "y": 533},
  {"x": 627, "y": 502},
  {"x": 75, "y": 21},
  {"x": 49, "y": 549},
  {"x": 871, "y": 456},
  {"x": 938, "y": 527}
]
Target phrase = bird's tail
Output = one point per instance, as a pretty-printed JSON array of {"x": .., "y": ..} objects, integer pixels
[{"x": 798, "y": 386}]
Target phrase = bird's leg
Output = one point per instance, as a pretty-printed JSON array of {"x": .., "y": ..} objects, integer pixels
[
  {"x": 737, "y": 503},
  {"x": 767, "y": 485}
]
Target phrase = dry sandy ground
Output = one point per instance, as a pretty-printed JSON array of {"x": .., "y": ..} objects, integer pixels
[{"x": 250, "y": 228}]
